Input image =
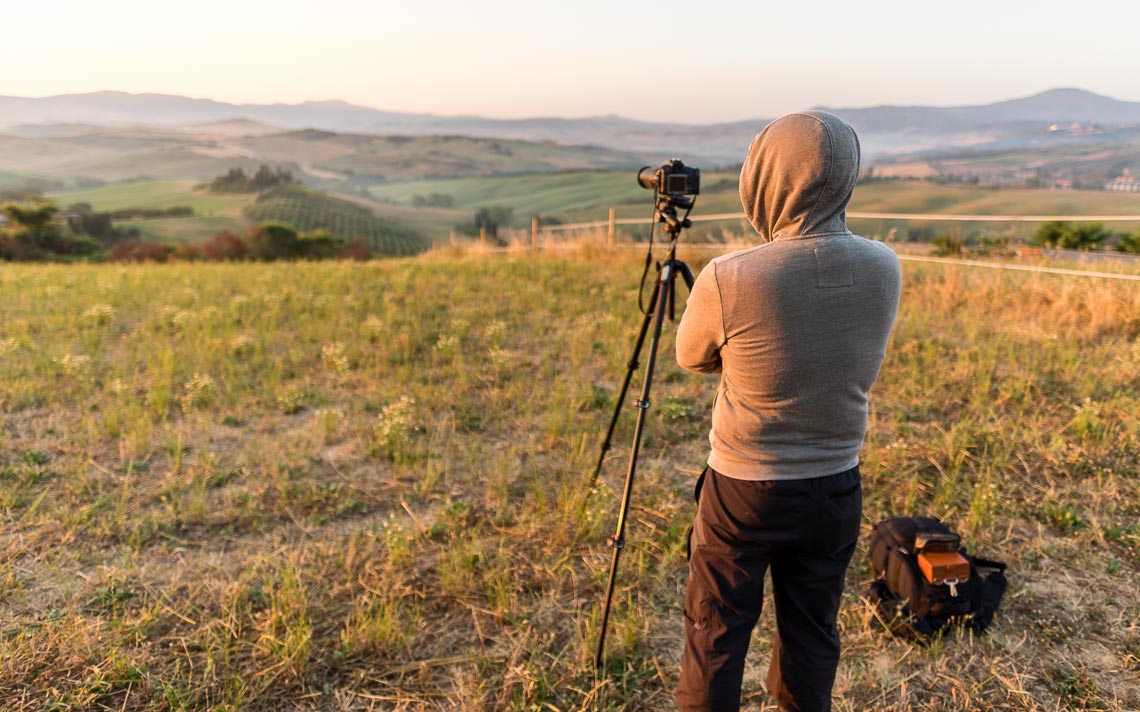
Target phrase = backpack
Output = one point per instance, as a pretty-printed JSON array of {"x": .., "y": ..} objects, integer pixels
[{"x": 917, "y": 601}]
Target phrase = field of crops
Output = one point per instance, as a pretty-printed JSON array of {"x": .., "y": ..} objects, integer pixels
[
  {"x": 157, "y": 194},
  {"x": 362, "y": 486},
  {"x": 306, "y": 210},
  {"x": 588, "y": 196}
]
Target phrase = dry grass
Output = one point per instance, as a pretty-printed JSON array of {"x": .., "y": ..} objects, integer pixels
[{"x": 360, "y": 486}]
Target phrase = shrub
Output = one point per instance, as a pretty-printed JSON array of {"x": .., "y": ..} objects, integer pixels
[
  {"x": 141, "y": 252},
  {"x": 274, "y": 241},
  {"x": 1128, "y": 242},
  {"x": 1066, "y": 236},
  {"x": 225, "y": 247}
]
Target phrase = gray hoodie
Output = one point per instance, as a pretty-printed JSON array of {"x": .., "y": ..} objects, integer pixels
[{"x": 798, "y": 326}]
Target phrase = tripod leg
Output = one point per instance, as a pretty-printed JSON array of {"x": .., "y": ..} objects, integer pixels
[
  {"x": 632, "y": 366},
  {"x": 662, "y": 291}
]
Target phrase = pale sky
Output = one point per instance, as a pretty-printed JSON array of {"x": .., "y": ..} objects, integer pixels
[{"x": 696, "y": 62}]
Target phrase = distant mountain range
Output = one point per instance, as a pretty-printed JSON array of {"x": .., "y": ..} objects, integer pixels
[{"x": 884, "y": 130}]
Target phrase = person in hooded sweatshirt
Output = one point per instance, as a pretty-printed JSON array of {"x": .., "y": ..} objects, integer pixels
[{"x": 797, "y": 327}]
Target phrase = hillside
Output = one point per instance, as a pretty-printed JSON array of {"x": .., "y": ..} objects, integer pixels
[
  {"x": 885, "y": 130},
  {"x": 306, "y": 210},
  {"x": 1079, "y": 156},
  {"x": 77, "y": 153}
]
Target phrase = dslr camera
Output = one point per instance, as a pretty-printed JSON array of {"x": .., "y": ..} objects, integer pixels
[{"x": 673, "y": 178}]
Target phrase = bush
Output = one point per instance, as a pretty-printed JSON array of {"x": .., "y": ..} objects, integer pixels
[
  {"x": 1128, "y": 242},
  {"x": 1066, "y": 236},
  {"x": 356, "y": 249},
  {"x": 141, "y": 252},
  {"x": 225, "y": 247},
  {"x": 274, "y": 241}
]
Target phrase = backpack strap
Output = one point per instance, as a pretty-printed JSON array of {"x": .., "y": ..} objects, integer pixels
[
  {"x": 993, "y": 588},
  {"x": 987, "y": 564}
]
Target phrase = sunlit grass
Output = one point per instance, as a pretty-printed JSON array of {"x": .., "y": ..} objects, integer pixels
[{"x": 361, "y": 486}]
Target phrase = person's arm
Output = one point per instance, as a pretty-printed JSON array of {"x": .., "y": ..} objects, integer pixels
[{"x": 701, "y": 332}]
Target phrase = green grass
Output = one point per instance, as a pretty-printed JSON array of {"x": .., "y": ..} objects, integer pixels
[
  {"x": 340, "y": 485},
  {"x": 155, "y": 194},
  {"x": 587, "y": 196},
  {"x": 542, "y": 194},
  {"x": 417, "y": 157},
  {"x": 184, "y": 229}
]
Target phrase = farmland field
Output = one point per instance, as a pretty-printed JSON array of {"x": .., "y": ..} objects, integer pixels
[
  {"x": 308, "y": 210},
  {"x": 156, "y": 194},
  {"x": 362, "y": 486},
  {"x": 587, "y": 196}
]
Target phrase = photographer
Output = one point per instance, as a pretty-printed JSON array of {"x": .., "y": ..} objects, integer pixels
[{"x": 797, "y": 328}]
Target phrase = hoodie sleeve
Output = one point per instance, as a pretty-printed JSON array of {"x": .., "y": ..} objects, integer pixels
[{"x": 701, "y": 332}]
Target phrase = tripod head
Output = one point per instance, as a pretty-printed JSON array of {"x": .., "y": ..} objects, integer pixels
[
  {"x": 674, "y": 186},
  {"x": 665, "y": 212}
]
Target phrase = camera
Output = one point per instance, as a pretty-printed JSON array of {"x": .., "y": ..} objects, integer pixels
[{"x": 672, "y": 178}]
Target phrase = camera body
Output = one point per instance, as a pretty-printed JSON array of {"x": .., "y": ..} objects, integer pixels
[{"x": 672, "y": 178}]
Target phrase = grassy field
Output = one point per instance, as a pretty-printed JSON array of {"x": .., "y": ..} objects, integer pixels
[
  {"x": 588, "y": 196},
  {"x": 156, "y": 194},
  {"x": 362, "y": 487}
]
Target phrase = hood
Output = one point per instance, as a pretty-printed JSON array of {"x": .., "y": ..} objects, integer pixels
[{"x": 799, "y": 175}]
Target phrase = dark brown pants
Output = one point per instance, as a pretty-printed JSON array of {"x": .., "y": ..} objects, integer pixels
[{"x": 805, "y": 531}]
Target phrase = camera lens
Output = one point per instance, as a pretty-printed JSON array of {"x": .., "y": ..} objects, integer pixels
[{"x": 647, "y": 178}]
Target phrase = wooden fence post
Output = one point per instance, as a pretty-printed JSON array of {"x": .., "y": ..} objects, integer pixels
[
  {"x": 610, "y": 237},
  {"x": 483, "y": 236},
  {"x": 534, "y": 233}
]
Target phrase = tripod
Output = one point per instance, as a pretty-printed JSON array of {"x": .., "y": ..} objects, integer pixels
[{"x": 663, "y": 296}]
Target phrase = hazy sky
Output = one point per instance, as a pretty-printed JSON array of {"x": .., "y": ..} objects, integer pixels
[{"x": 679, "y": 61}]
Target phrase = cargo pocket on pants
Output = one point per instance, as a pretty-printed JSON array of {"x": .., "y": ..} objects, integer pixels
[{"x": 699, "y": 621}]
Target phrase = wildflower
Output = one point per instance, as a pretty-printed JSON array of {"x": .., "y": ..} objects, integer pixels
[
  {"x": 291, "y": 401},
  {"x": 182, "y": 318},
  {"x": 502, "y": 358},
  {"x": 496, "y": 332},
  {"x": 242, "y": 344},
  {"x": 395, "y": 426},
  {"x": 199, "y": 391},
  {"x": 100, "y": 313},
  {"x": 74, "y": 364},
  {"x": 447, "y": 345},
  {"x": 332, "y": 356},
  {"x": 374, "y": 325}
]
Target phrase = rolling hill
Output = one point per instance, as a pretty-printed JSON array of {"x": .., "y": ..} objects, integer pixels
[
  {"x": 71, "y": 152},
  {"x": 885, "y": 129}
]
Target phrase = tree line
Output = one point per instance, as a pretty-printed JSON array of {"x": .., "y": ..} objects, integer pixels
[
  {"x": 34, "y": 233},
  {"x": 237, "y": 181}
]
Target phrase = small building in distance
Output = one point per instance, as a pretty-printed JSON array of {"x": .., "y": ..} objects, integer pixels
[{"x": 1124, "y": 183}]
